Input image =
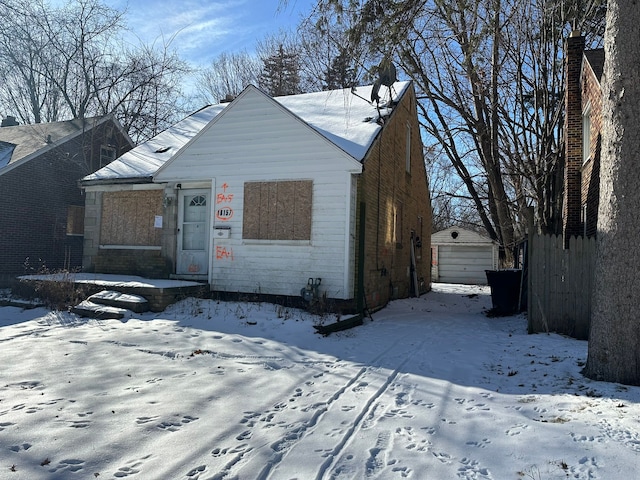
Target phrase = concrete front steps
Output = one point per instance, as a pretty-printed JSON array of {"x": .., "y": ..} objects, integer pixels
[{"x": 109, "y": 304}]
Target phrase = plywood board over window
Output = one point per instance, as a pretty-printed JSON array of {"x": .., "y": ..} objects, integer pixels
[
  {"x": 128, "y": 218},
  {"x": 75, "y": 220},
  {"x": 277, "y": 210}
]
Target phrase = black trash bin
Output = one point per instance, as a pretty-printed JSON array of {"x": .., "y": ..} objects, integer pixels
[{"x": 505, "y": 290}]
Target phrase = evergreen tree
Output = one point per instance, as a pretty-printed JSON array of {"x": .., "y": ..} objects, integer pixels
[
  {"x": 341, "y": 73},
  {"x": 281, "y": 73}
]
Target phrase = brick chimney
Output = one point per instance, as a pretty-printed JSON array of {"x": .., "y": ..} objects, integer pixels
[
  {"x": 9, "y": 121},
  {"x": 573, "y": 138}
]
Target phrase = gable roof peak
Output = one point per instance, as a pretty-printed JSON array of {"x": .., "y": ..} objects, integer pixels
[
  {"x": 345, "y": 117},
  {"x": 595, "y": 59}
]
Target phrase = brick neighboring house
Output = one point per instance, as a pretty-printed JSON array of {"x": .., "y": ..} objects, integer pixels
[
  {"x": 261, "y": 194},
  {"x": 583, "y": 125},
  {"x": 42, "y": 208}
]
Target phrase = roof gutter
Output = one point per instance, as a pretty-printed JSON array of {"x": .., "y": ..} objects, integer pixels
[{"x": 115, "y": 181}]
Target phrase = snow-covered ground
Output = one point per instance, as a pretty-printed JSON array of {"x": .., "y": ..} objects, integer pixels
[{"x": 430, "y": 389}]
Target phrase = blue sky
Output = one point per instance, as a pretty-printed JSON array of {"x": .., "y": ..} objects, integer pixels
[{"x": 203, "y": 29}]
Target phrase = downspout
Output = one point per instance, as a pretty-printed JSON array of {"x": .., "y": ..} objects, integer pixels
[{"x": 361, "y": 301}]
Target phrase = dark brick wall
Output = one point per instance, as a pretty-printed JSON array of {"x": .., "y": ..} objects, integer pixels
[
  {"x": 33, "y": 215},
  {"x": 33, "y": 208},
  {"x": 385, "y": 187}
]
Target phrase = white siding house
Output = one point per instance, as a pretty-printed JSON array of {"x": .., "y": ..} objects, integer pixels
[
  {"x": 263, "y": 195},
  {"x": 229, "y": 159},
  {"x": 462, "y": 256}
]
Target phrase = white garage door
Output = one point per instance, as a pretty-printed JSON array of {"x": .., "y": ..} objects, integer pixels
[{"x": 464, "y": 264}]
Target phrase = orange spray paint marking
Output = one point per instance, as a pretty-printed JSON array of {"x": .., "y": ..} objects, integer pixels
[
  {"x": 224, "y": 253},
  {"x": 222, "y": 198}
]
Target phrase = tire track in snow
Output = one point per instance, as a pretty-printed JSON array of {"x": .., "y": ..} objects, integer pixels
[
  {"x": 280, "y": 448},
  {"x": 308, "y": 456}
]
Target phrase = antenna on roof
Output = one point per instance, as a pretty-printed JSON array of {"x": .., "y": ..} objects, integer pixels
[{"x": 386, "y": 76}]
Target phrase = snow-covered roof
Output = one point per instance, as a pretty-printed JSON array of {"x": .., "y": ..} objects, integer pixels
[
  {"x": 144, "y": 160},
  {"x": 6, "y": 151},
  {"x": 345, "y": 117}
]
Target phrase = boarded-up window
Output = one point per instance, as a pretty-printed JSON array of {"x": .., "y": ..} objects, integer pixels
[
  {"x": 277, "y": 210},
  {"x": 75, "y": 220},
  {"x": 128, "y": 218}
]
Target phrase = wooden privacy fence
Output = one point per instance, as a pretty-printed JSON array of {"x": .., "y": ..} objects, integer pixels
[{"x": 560, "y": 280}]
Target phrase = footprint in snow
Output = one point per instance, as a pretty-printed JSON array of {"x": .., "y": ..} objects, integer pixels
[
  {"x": 516, "y": 429},
  {"x": 194, "y": 473},
  {"x": 218, "y": 452},
  {"x": 143, "y": 420},
  {"x": 70, "y": 464},
  {"x": 131, "y": 468},
  {"x": 587, "y": 468},
  {"x": 79, "y": 423},
  {"x": 472, "y": 470},
  {"x": 479, "y": 444},
  {"x": 587, "y": 439},
  {"x": 175, "y": 426},
  {"x": 249, "y": 418},
  {"x": 478, "y": 406},
  {"x": 361, "y": 386},
  {"x": 17, "y": 448},
  {"x": 443, "y": 457},
  {"x": 422, "y": 403}
]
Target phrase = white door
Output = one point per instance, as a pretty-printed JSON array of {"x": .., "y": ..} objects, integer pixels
[{"x": 193, "y": 232}]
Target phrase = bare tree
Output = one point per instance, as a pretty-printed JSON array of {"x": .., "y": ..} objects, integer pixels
[
  {"x": 69, "y": 62},
  {"x": 227, "y": 75},
  {"x": 327, "y": 60},
  {"x": 143, "y": 89},
  {"x": 614, "y": 340},
  {"x": 489, "y": 79}
]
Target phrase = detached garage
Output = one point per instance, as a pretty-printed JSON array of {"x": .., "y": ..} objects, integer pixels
[{"x": 462, "y": 256}]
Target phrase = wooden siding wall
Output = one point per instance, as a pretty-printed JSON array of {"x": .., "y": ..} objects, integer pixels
[
  {"x": 257, "y": 142},
  {"x": 560, "y": 281},
  {"x": 128, "y": 218}
]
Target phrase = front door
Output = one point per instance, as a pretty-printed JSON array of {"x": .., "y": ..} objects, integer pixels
[{"x": 193, "y": 232}]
